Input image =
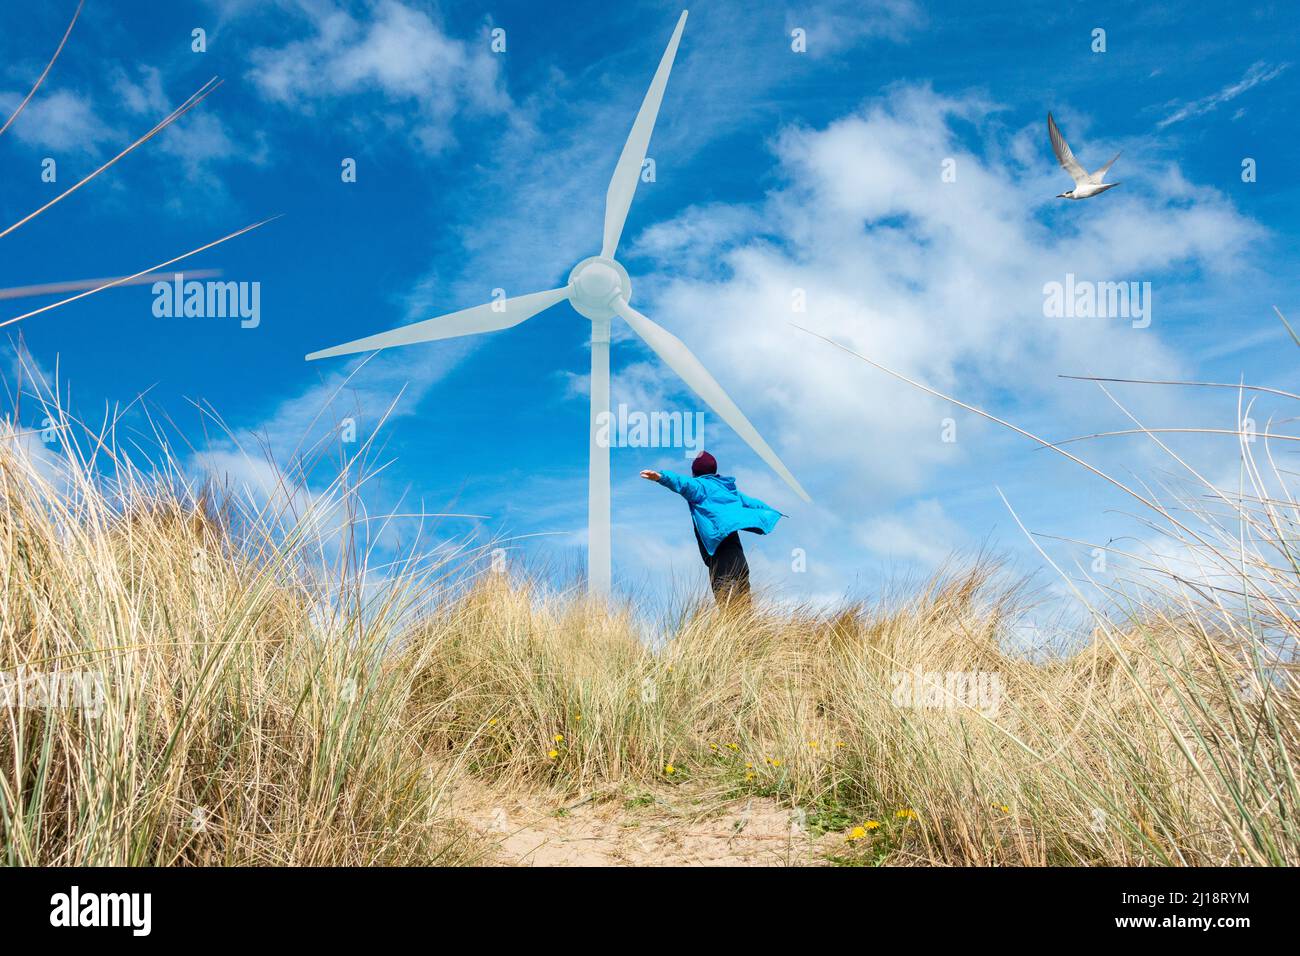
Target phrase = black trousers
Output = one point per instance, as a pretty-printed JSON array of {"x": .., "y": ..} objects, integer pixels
[{"x": 728, "y": 569}]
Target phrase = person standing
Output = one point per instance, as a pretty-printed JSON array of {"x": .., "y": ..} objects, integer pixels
[{"x": 719, "y": 512}]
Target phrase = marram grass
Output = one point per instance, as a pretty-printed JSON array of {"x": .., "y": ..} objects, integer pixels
[{"x": 266, "y": 698}]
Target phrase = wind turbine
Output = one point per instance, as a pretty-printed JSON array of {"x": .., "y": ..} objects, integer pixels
[{"x": 598, "y": 289}]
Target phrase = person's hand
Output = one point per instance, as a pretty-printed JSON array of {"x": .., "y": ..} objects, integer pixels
[{"x": 649, "y": 475}]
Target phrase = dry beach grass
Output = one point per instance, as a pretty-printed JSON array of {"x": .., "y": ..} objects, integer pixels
[{"x": 267, "y": 698}]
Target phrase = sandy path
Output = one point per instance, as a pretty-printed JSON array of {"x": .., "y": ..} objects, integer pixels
[{"x": 663, "y": 829}]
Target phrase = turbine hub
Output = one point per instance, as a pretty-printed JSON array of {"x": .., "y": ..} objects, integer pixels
[{"x": 596, "y": 282}]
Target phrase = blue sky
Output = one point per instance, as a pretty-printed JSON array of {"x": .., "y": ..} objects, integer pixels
[{"x": 775, "y": 170}]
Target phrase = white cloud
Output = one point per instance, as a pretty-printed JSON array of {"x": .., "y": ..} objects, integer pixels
[
  {"x": 200, "y": 140},
  {"x": 1257, "y": 74},
  {"x": 923, "y": 533},
  {"x": 400, "y": 53},
  {"x": 832, "y": 27},
  {"x": 288, "y": 467},
  {"x": 692, "y": 236},
  {"x": 129, "y": 103},
  {"x": 941, "y": 281},
  {"x": 58, "y": 120}
]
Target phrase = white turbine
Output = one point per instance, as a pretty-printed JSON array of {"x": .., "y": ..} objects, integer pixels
[{"x": 598, "y": 288}]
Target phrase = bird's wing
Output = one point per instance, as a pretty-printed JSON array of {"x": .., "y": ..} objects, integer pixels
[
  {"x": 1100, "y": 174},
  {"x": 1063, "y": 155}
]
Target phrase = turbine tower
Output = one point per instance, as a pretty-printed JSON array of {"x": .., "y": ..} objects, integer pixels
[{"x": 598, "y": 289}]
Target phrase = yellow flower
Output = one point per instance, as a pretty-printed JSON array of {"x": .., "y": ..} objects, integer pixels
[
  {"x": 812, "y": 744},
  {"x": 733, "y": 746},
  {"x": 670, "y": 770},
  {"x": 906, "y": 814},
  {"x": 749, "y": 765},
  {"x": 1004, "y": 808},
  {"x": 857, "y": 833},
  {"x": 839, "y": 743},
  {"x": 579, "y": 717},
  {"x": 749, "y": 776},
  {"x": 776, "y": 763},
  {"x": 492, "y": 721},
  {"x": 559, "y": 738},
  {"x": 552, "y": 753},
  {"x": 713, "y": 746},
  {"x": 872, "y": 824}
]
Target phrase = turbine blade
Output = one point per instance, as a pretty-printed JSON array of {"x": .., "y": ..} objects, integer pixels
[
  {"x": 622, "y": 187},
  {"x": 76, "y": 285},
  {"x": 678, "y": 357},
  {"x": 111, "y": 283},
  {"x": 489, "y": 317}
]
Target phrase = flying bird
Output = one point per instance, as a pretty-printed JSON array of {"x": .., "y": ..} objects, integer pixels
[{"x": 1085, "y": 184}]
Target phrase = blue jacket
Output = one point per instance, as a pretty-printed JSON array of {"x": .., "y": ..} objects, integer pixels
[{"x": 718, "y": 509}]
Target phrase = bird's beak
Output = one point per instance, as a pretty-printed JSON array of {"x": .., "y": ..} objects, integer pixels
[{"x": 1062, "y": 195}]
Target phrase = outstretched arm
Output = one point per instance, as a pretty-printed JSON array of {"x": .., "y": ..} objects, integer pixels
[{"x": 688, "y": 488}]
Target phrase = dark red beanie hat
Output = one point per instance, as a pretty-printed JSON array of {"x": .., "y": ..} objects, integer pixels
[{"x": 704, "y": 464}]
